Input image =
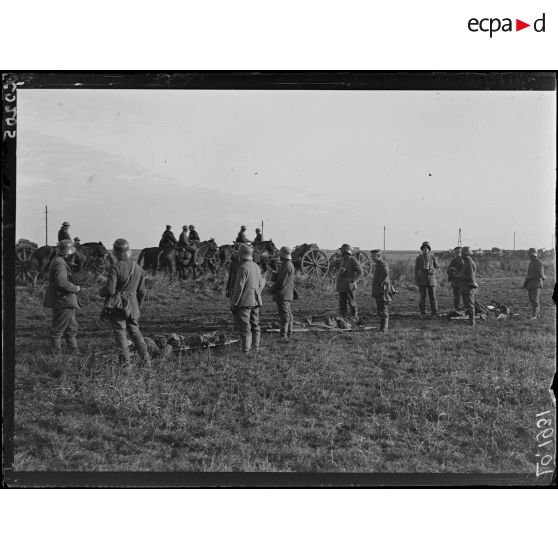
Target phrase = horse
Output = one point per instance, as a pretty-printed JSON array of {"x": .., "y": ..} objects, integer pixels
[
  {"x": 265, "y": 253},
  {"x": 149, "y": 258},
  {"x": 91, "y": 256},
  {"x": 201, "y": 259}
]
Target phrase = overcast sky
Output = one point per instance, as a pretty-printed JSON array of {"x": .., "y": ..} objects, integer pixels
[{"x": 316, "y": 166}]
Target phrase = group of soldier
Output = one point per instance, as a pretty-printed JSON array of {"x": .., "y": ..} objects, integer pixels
[{"x": 126, "y": 286}]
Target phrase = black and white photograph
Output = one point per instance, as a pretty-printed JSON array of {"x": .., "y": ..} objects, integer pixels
[{"x": 280, "y": 272}]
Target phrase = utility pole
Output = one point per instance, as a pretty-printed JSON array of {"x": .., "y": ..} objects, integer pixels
[
  {"x": 459, "y": 238},
  {"x": 514, "y": 241},
  {"x": 384, "y": 238},
  {"x": 46, "y": 225},
  {"x": 262, "y": 231}
]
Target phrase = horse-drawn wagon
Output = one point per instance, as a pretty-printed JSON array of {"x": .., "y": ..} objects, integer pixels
[{"x": 24, "y": 269}]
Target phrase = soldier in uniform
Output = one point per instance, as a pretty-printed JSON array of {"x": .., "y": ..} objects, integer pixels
[
  {"x": 246, "y": 299},
  {"x": 77, "y": 242},
  {"x": 381, "y": 288},
  {"x": 259, "y": 237},
  {"x": 183, "y": 238},
  {"x": 425, "y": 277},
  {"x": 282, "y": 290},
  {"x": 64, "y": 232},
  {"x": 454, "y": 267},
  {"x": 467, "y": 281},
  {"x": 168, "y": 239},
  {"x": 534, "y": 282},
  {"x": 241, "y": 237},
  {"x": 193, "y": 236},
  {"x": 61, "y": 298},
  {"x": 350, "y": 271},
  {"x": 127, "y": 278}
]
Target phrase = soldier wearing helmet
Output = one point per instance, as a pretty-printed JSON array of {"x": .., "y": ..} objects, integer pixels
[
  {"x": 454, "y": 267},
  {"x": 534, "y": 282},
  {"x": 64, "y": 232},
  {"x": 241, "y": 237},
  {"x": 350, "y": 271},
  {"x": 168, "y": 239},
  {"x": 258, "y": 237},
  {"x": 246, "y": 299},
  {"x": 381, "y": 288},
  {"x": 282, "y": 290},
  {"x": 467, "y": 281},
  {"x": 61, "y": 298},
  {"x": 426, "y": 267},
  {"x": 77, "y": 241},
  {"x": 126, "y": 279},
  {"x": 193, "y": 236}
]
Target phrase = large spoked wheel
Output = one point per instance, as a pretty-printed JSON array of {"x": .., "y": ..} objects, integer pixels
[
  {"x": 365, "y": 261},
  {"x": 314, "y": 263},
  {"x": 24, "y": 272},
  {"x": 334, "y": 264}
]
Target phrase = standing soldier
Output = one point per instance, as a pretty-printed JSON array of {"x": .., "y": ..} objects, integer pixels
[
  {"x": 183, "y": 238},
  {"x": 246, "y": 299},
  {"x": 127, "y": 279},
  {"x": 534, "y": 282},
  {"x": 425, "y": 277},
  {"x": 259, "y": 237},
  {"x": 282, "y": 290},
  {"x": 241, "y": 237},
  {"x": 61, "y": 297},
  {"x": 64, "y": 232},
  {"x": 193, "y": 236},
  {"x": 168, "y": 239},
  {"x": 455, "y": 266},
  {"x": 467, "y": 281},
  {"x": 350, "y": 271},
  {"x": 381, "y": 288}
]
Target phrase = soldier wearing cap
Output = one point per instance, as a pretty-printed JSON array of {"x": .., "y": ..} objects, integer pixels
[
  {"x": 381, "y": 288},
  {"x": 246, "y": 299},
  {"x": 168, "y": 239},
  {"x": 454, "y": 267},
  {"x": 350, "y": 271},
  {"x": 183, "y": 238},
  {"x": 467, "y": 281},
  {"x": 64, "y": 232},
  {"x": 126, "y": 278},
  {"x": 282, "y": 291},
  {"x": 61, "y": 298},
  {"x": 241, "y": 237},
  {"x": 193, "y": 236},
  {"x": 534, "y": 282},
  {"x": 425, "y": 277},
  {"x": 259, "y": 237},
  {"x": 77, "y": 241}
]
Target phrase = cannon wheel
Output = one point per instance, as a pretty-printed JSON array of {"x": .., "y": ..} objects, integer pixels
[
  {"x": 365, "y": 261},
  {"x": 314, "y": 263},
  {"x": 24, "y": 273}
]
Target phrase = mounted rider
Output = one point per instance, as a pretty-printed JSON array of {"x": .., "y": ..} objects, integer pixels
[
  {"x": 168, "y": 239},
  {"x": 193, "y": 236},
  {"x": 77, "y": 242},
  {"x": 183, "y": 238},
  {"x": 241, "y": 237},
  {"x": 259, "y": 237},
  {"x": 64, "y": 232}
]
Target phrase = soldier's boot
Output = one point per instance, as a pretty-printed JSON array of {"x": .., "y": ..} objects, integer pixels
[
  {"x": 124, "y": 357},
  {"x": 256, "y": 341},
  {"x": 56, "y": 345},
  {"x": 434, "y": 308},
  {"x": 143, "y": 353},
  {"x": 384, "y": 322},
  {"x": 72, "y": 344},
  {"x": 472, "y": 318},
  {"x": 246, "y": 342}
]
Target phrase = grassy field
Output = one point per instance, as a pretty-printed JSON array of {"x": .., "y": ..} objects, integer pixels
[{"x": 431, "y": 396}]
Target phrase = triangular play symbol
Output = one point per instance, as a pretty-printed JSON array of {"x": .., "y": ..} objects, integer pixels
[{"x": 519, "y": 25}]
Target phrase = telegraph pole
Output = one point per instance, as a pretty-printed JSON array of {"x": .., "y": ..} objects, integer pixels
[
  {"x": 46, "y": 225},
  {"x": 514, "y": 241},
  {"x": 459, "y": 238},
  {"x": 384, "y": 238},
  {"x": 262, "y": 231}
]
